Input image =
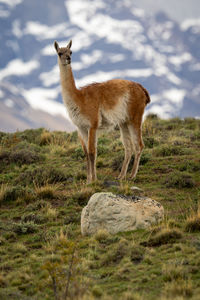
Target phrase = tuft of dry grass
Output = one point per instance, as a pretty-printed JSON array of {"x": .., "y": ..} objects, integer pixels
[
  {"x": 174, "y": 271},
  {"x": 20, "y": 247},
  {"x": 102, "y": 235},
  {"x": 192, "y": 223},
  {"x": 51, "y": 213},
  {"x": 131, "y": 296},
  {"x": 178, "y": 288},
  {"x": 148, "y": 127},
  {"x": 3, "y": 191},
  {"x": 45, "y": 138},
  {"x": 47, "y": 190},
  {"x": 53, "y": 138}
]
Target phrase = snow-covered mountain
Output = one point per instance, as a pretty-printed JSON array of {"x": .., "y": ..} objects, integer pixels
[{"x": 111, "y": 39}]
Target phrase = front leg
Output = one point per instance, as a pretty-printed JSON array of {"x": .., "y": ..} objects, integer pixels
[
  {"x": 92, "y": 145},
  {"x": 83, "y": 135}
]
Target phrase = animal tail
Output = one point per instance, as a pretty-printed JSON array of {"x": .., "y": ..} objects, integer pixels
[{"x": 148, "y": 99}]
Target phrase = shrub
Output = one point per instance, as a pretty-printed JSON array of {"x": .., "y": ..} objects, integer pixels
[
  {"x": 24, "y": 157},
  {"x": 101, "y": 149},
  {"x": 137, "y": 253},
  {"x": 24, "y": 227},
  {"x": 191, "y": 166},
  {"x": 24, "y": 145},
  {"x": 101, "y": 163},
  {"x": 97, "y": 291},
  {"x": 81, "y": 176},
  {"x": 78, "y": 153},
  {"x": 22, "y": 153},
  {"x": 195, "y": 136},
  {"x": 73, "y": 137},
  {"x": 33, "y": 217},
  {"x": 168, "y": 150},
  {"x": 72, "y": 218},
  {"x": 31, "y": 135},
  {"x": 103, "y": 140},
  {"x": 43, "y": 174},
  {"x": 5, "y": 156},
  {"x": 116, "y": 253},
  {"x": 83, "y": 196},
  {"x": 152, "y": 116},
  {"x": 179, "y": 180},
  {"x": 162, "y": 237},
  {"x": 9, "y": 140},
  {"x": 150, "y": 142},
  {"x": 36, "y": 205},
  {"x": 190, "y": 123},
  {"x": 11, "y": 193},
  {"x": 145, "y": 157},
  {"x": 2, "y": 135}
]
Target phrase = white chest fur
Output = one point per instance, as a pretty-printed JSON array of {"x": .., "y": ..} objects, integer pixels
[{"x": 74, "y": 111}]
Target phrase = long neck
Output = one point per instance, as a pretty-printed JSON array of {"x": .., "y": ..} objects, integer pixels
[{"x": 69, "y": 90}]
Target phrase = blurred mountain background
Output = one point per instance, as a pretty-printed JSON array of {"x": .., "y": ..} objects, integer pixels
[{"x": 155, "y": 43}]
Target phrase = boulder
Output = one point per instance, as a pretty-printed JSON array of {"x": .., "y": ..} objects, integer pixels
[{"x": 119, "y": 213}]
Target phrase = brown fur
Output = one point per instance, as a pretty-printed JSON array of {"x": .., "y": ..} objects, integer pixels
[{"x": 100, "y": 105}]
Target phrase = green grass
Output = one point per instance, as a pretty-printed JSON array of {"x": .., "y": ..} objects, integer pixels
[{"x": 43, "y": 190}]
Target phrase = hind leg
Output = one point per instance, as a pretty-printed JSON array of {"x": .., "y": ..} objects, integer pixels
[
  {"x": 136, "y": 138},
  {"x": 128, "y": 147}
]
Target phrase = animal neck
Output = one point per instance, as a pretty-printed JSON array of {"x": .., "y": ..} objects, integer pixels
[{"x": 69, "y": 90}]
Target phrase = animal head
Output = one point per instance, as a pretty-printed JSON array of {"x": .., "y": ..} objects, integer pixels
[{"x": 64, "y": 53}]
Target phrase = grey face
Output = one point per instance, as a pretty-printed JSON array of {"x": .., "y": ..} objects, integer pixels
[{"x": 64, "y": 53}]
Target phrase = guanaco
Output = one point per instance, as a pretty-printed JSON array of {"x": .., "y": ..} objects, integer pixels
[{"x": 101, "y": 106}]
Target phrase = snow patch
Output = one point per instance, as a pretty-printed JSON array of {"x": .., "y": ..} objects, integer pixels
[
  {"x": 17, "y": 31},
  {"x": 4, "y": 13},
  {"x": 185, "y": 25},
  {"x": 138, "y": 12},
  {"x": 178, "y": 60},
  {"x": 43, "y": 99},
  {"x": 82, "y": 13},
  {"x": 195, "y": 67},
  {"x": 87, "y": 60},
  {"x": 17, "y": 67},
  {"x": 103, "y": 76},
  {"x": 1, "y": 94},
  {"x": 43, "y": 32},
  {"x": 116, "y": 57},
  {"x": 9, "y": 103},
  {"x": 51, "y": 77},
  {"x": 167, "y": 104},
  {"x": 11, "y": 3}
]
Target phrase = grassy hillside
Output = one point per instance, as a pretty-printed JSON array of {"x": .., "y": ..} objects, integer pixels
[{"x": 43, "y": 190}]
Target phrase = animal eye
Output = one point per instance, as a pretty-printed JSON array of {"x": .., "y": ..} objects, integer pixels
[
  {"x": 70, "y": 52},
  {"x": 60, "y": 54}
]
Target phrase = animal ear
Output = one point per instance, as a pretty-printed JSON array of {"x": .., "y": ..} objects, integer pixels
[
  {"x": 69, "y": 45},
  {"x": 56, "y": 46}
]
